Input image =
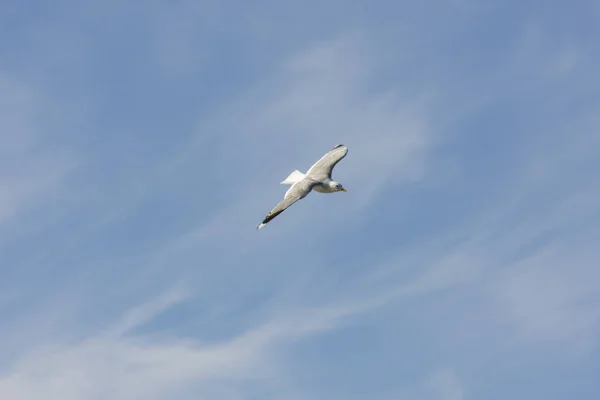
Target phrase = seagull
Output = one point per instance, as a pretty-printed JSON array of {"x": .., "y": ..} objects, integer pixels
[{"x": 318, "y": 177}]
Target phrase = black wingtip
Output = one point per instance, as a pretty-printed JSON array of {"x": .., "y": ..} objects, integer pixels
[{"x": 338, "y": 146}]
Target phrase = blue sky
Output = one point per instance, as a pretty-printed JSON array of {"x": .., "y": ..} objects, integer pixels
[{"x": 140, "y": 145}]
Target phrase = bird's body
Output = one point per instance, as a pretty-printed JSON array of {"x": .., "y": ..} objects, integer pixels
[
  {"x": 318, "y": 177},
  {"x": 325, "y": 187}
]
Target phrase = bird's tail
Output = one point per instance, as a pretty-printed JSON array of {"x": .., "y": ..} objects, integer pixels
[{"x": 294, "y": 177}]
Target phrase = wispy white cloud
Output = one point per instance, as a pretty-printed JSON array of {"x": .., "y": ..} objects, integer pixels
[
  {"x": 553, "y": 296},
  {"x": 32, "y": 172},
  {"x": 120, "y": 364},
  {"x": 316, "y": 99},
  {"x": 512, "y": 274}
]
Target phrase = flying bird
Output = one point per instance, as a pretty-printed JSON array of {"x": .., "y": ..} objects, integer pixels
[{"x": 318, "y": 177}]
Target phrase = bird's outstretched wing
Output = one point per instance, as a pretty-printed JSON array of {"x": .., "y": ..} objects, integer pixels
[
  {"x": 322, "y": 169},
  {"x": 298, "y": 191}
]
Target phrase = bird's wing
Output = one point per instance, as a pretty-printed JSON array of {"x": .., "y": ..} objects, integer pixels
[
  {"x": 298, "y": 191},
  {"x": 322, "y": 169}
]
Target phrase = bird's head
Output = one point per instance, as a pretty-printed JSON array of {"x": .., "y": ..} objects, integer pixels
[{"x": 336, "y": 186}]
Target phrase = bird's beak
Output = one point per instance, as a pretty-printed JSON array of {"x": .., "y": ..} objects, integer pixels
[{"x": 343, "y": 190}]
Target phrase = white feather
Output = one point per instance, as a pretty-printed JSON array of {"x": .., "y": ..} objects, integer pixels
[{"x": 292, "y": 178}]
